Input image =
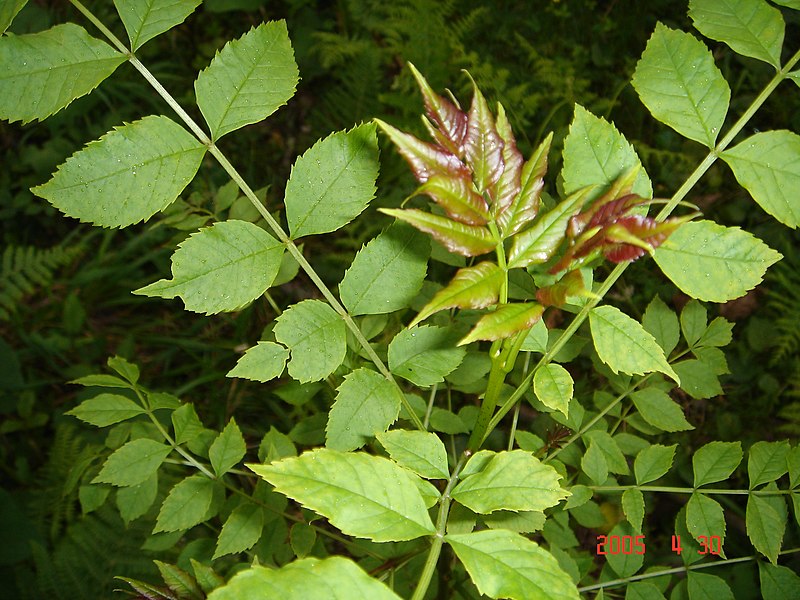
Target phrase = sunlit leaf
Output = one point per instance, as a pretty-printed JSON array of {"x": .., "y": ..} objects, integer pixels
[
  {"x": 681, "y": 86},
  {"x": 248, "y": 80},
  {"x": 424, "y": 355},
  {"x": 221, "y": 268},
  {"x": 449, "y": 119},
  {"x": 483, "y": 145},
  {"x": 460, "y": 238},
  {"x": 44, "y": 72},
  {"x": 553, "y": 386},
  {"x": 363, "y": 495},
  {"x": 458, "y": 198},
  {"x": 508, "y": 186},
  {"x": 127, "y": 175},
  {"x": 504, "y": 322},
  {"x": 262, "y": 362},
  {"x": 145, "y": 19},
  {"x": 332, "y": 182},
  {"x": 421, "y": 451},
  {"x": 106, "y": 409},
  {"x": 714, "y": 263},
  {"x": 525, "y": 205}
]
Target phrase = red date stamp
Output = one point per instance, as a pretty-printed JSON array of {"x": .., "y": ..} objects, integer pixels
[{"x": 635, "y": 544}]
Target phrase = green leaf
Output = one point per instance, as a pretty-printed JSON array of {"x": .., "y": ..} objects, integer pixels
[
  {"x": 749, "y": 27},
  {"x": 332, "y": 182},
  {"x": 504, "y": 564},
  {"x": 228, "y": 449},
  {"x": 653, "y": 462},
  {"x": 504, "y": 322},
  {"x": 716, "y": 461},
  {"x": 186, "y": 424},
  {"x": 513, "y": 480},
  {"x": 387, "y": 273},
  {"x": 133, "y": 463},
  {"x": 596, "y": 153},
  {"x": 106, "y": 409},
  {"x": 658, "y": 409},
  {"x": 127, "y": 175},
  {"x": 179, "y": 581},
  {"x": 363, "y": 495},
  {"x": 539, "y": 243},
  {"x": 793, "y": 462},
  {"x": 467, "y": 240},
  {"x": 624, "y": 565},
  {"x": 221, "y": 268},
  {"x": 303, "y": 579},
  {"x": 718, "y": 333},
  {"x": 660, "y": 322},
  {"x": 241, "y": 530},
  {"x": 608, "y": 446},
  {"x": 553, "y": 386},
  {"x": 714, "y": 263},
  {"x": 624, "y": 345},
  {"x": 702, "y": 586},
  {"x": 471, "y": 287},
  {"x": 366, "y": 404},
  {"x": 680, "y": 85},
  {"x": 302, "y": 538},
  {"x": 248, "y": 80},
  {"x": 777, "y": 582},
  {"x": 101, "y": 380},
  {"x": 766, "y": 524},
  {"x": 594, "y": 464},
  {"x": 92, "y": 497},
  {"x": 420, "y": 451},
  {"x": 262, "y": 362},
  {"x": 127, "y": 370},
  {"x": 9, "y": 10},
  {"x": 640, "y": 590},
  {"x": 697, "y": 379},
  {"x": 633, "y": 507},
  {"x": 134, "y": 501},
  {"x": 44, "y": 72},
  {"x": 694, "y": 321},
  {"x": 316, "y": 336},
  {"x": 767, "y": 461},
  {"x": 536, "y": 339},
  {"x": 705, "y": 517},
  {"x": 186, "y": 504},
  {"x": 424, "y": 355},
  {"x": 275, "y": 445},
  {"x": 145, "y": 19},
  {"x": 768, "y": 166}
]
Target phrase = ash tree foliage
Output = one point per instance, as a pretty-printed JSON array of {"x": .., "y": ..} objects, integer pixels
[{"x": 417, "y": 450}]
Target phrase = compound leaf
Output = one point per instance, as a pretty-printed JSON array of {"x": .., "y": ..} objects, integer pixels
[
  {"x": 262, "y": 362},
  {"x": 624, "y": 345},
  {"x": 248, "y": 80},
  {"x": 750, "y": 27},
  {"x": 366, "y": 404},
  {"x": 504, "y": 564},
  {"x": 768, "y": 166},
  {"x": 332, "y": 182},
  {"x": 424, "y": 355},
  {"x": 221, "y": 268},
  {"x": 316, "y": 336},
  {"x": 387, "y": 273},
  {"x": 680, "y": 85},
  {"x": 363, "y": 495},
  {"x": 126, "y": 176},
  {"x": 145, "y": 19},
  {"x": 714, "y": 263},
  {"x": 44, "y": 72}
]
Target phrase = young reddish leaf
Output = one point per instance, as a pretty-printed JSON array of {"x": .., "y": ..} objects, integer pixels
[
  {"x": 457, "y": 196},
  {"x": 472, "y": 287},
  {"x": 507, "y": 320},
  {"x": 450, "y": 120},
  {"x": 467, "y": 240},
  {"x": 508, "y": 186},
  {"x": 525, "y": 205},
  {"x": 633, "y": 237},
  {"x": 570, "y": 284},
  {"x": 484, "y": 147},
  {"x": 537, "y": 244},
  {"x": 425, "y": 159}
]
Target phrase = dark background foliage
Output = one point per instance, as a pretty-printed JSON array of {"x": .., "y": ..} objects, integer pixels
[{"x": 65, "y": 301}]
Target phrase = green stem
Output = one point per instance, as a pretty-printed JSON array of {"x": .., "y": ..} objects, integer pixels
[
  {"x": 291, "y": 247},
  {"x": 441, "y": 528}
]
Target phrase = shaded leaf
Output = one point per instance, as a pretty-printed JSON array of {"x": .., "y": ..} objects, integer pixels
[
  {"x": 221, "y": 268},
  {"x": 659, "y": 410},
  {"x": 133, "y": 463},
  {"x": 705, "y": 517},
  {"x": 702, "y": 586},
  {"x": 127, "y": 175},
  {"x": 633, "y": 507},
  {"x": 145, "y": 19},
  {"x": 424, "y": 355},
  {"x": 106, "y": 409},
  {"x": 766, "y": 524},
  {"x": 653, "y": 462},
  {"x": 134, "y": 501},
  {"x": 767, "y": 461},
  {"x": 227, "y": 449},
  {"x": 186, "y": 504},
  {"x": 248, "y": 80},
  {"x": 9, "y": 10},
  {"x": 241, "y": 531},
  {"x": 777, "y": 582},
  {"x": 716, "y": 461},
  {"x": 262, "y": 362},
  {"x": 660, "y": 322}
]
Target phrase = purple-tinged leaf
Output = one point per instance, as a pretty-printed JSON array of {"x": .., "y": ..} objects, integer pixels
[
  {"x": 457, "y": 196},
  {"x": 508, "y": 186},
  {"x": 615, "y": 202},
  {"x": 538, "y": 244},
  {"x": 472, "y": 287},
  {"x": 449, "y": 119},
  {"x": 571, "y": 284},
  {"x": 484, "y": 147},
  {"x": 634, "y": 236},
  {"x": 507, "y": 320},
  {"x": 425, "y": 159},
  {"x": 467, "y": 240},
  {"x": 525, "y": 206}
]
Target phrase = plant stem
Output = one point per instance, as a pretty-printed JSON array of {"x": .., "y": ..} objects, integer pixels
[
  {"x": 441, "y": 528},
  {"x": 291, "y": 247}
]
